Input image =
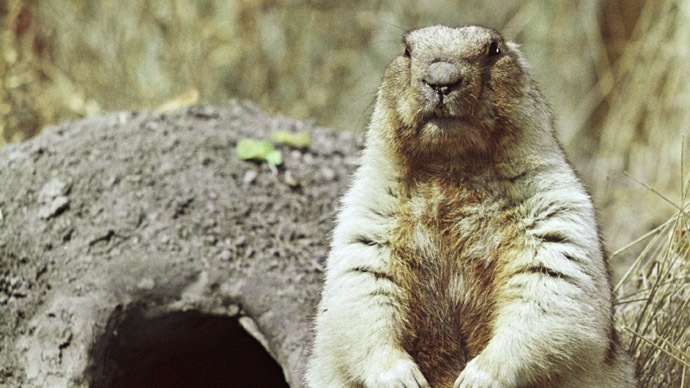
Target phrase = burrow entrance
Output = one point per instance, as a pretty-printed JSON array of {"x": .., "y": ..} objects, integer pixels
[{"x": 181, "y": 349}]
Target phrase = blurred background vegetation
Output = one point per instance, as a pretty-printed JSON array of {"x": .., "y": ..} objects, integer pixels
[{"x": 614, "y": 72}]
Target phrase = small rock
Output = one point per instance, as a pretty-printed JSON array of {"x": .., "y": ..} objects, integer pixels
[
  {"x": 122, "y": 118},
  {"x": 225, "y": 255},
  {"x": 249, "y": 253},
  {"x": 53, "y": 189},
  {"x": 146, "y": 284},
  {"x": 290, "y": 180},
  {"x": 133, "y": 179},
  {"x": 67, "y": 235},
  {"x": 210, "y": 240},
  {"x": 113, "y": 180},
  {"x": 239, "y": 241},
  {"x": 328, "y": 173},
  {"x": 249, "y": 177},
  {"x": 53, "y": 208},
  {"x": 210, "y": 222},
  {"x": 233, "y": 310},
  {"x": 15, "y": 281},
  {"x": 53, "y": 198},
  {"x": 16, "y": 155}
]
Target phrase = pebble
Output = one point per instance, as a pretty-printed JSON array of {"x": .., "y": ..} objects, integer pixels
[
  {"x": 249, "y": 177},
  {"x": 146, "y": 284}
]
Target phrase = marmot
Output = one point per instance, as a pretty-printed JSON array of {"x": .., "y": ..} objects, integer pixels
[{"x": 466, "y": 253}]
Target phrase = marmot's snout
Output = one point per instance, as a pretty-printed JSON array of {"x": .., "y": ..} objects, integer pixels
[
  {"x": 444, "y": 85},
  {"x": 443, "y": 77}
]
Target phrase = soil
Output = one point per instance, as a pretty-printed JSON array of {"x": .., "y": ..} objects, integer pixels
[{"x": 137, "y": 249}]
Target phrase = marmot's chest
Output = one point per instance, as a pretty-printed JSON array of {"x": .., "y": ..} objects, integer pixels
[
  {"x": 439, "y": 225},
  {"x": 450, "y": 244},
  {"x": 447, "y": 255}
]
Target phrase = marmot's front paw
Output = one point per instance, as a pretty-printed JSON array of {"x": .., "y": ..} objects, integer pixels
[
  {"x": 404, "y": 374},
  {"x": 474, "y": 377}
]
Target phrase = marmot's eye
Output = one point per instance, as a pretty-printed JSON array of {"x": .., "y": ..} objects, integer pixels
[
  {"x": 407, "y": 52},
  {"x": 494, "y": 49}
]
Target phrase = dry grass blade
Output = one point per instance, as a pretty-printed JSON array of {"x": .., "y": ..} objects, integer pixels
[
  {"x": 661, "y": 348},
  {"x": 655, "y": 191}
]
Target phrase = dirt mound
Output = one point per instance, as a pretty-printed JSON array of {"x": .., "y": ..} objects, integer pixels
[{"x": 143, "y": 236}]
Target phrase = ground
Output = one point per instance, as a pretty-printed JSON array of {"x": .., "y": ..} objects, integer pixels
[{"x": 138, "y": 235}]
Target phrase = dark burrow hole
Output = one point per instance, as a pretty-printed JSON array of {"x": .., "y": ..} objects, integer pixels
[{"x": 181, "y": 349}]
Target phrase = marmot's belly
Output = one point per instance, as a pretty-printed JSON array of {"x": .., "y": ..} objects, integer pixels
[
  {"x": 435, "y": 341},
  {"x": 449, "y": 315}
]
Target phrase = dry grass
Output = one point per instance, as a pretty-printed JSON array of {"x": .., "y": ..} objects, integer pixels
[
  {"x": 312, "y": 60},
  {"x": 637, "y": 117},
  {"x": 626, "y": 109},
  {"x": 654, "y": 317}
]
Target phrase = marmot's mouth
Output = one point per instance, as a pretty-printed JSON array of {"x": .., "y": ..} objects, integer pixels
[
  {"x": 442, "y": 113},
  {"x": 449, "y": 110},
  {"x": 446, "y": 115}
]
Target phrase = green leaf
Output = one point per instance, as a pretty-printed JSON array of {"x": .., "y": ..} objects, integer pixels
[
  {"x": 248, "y": 149},
  {"x": 298, "y": 140}
]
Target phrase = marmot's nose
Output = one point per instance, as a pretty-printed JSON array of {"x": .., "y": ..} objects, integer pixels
[{"x": 442, "y": 77}]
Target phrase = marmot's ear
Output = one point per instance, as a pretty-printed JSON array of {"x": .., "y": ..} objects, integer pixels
[{"x": 514, "y": 47}]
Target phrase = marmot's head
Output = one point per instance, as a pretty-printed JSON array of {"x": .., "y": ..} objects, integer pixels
[{"x": 453, "y": 91}]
